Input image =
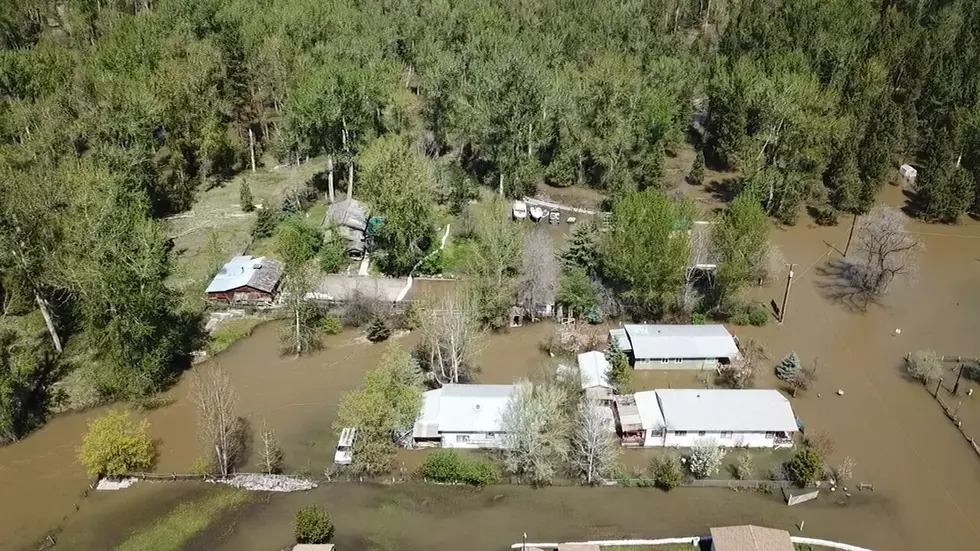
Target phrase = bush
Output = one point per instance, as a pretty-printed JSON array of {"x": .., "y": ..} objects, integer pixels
[
  {"x": 806, "y": 467},
  {"x": 114, "y": 445},
  {"x": 359, "y": 310},
  {"x": 432, "y": 264},
  {"x": 312, "y": 525},
  {"x": 697, "y": 318},
  {"x": 825, "y": 215},
  {"x": 245, "y": 197},
  {"x": 758, "y": 315},
  {"x": 333, "y": 253},
  {"x": 822, "y": 442},
  {"x": 666, "y": 472},
  {"x": 743, "y": 466},
  {"x": 924, "y": 366},
  {"x": 706, "y": 458},
  {"x": 331, "y": 325},
  {"x": 451, "y": 467},
  {"x": 410, "y": 319},
  {"x": 740, "y": 318},
  {"x": 378, "y": 330}
]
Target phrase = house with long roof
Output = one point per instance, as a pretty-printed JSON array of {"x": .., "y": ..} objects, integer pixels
[
  {"x": 676, "y": 346},
  {"x": 750, "y": 538},
  {"x": 246, "y": 279},
  {"x": 463, "y": 416},
  {"x": 755, "y": 418}
]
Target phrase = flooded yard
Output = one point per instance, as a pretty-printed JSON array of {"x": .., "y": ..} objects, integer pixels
[{"x": 927, "y": 480}]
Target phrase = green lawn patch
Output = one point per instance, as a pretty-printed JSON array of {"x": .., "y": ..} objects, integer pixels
[
  {"x": 229, "y": 332},
  {"x": 174, "y": 530}
]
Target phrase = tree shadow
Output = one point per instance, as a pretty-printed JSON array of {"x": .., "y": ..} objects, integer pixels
[
  {"x": 840, "y": 283},
  {"x": 913, "y": 203},
  {"x": 724, "y": 190}
]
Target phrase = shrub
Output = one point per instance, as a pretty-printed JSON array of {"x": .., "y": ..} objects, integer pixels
[
  {"x": 359, "y": 310},
  {"x": 114, "y": 445},
  {"x": 788, "y": 367},
  {"x": 333, "y": 253},
  {"x": 758, "y": 315},
  {"x": 410, "y": 319},
  {"x": 697, "y": 318},
  {"x": 743, "y": 466},
  {"x": 740, "y": 318},
  {"x": 806, "y": 466},
  {"x": 331, "y": 325},
  {"x": 924, "y": 366},
  {"x": 451, "y": 467},
  {"x": 706, "y": 458},
  {"x": 825, "y": 215},
  {"x": 312, "y": 525},
  {"x": 822, "y": 442},
  {"x": 378, "y": 330},
  {"x": 666, "y": 472}
]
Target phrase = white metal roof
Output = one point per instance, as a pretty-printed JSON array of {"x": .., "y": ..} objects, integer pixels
[
  {"x": 594, "y": 369},
  {"x": 473, "y": 408},
  {"x": 427, "y": 424},
  {"x": 651, "y": 417},
  {"x": 620, "y": 337},
  {"x": 681, "y": 341},
  {"x": 717, "y": 410},
  {"x": 260, "y": 272}
]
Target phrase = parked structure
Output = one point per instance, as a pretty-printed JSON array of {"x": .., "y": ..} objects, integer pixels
[
  {"x": 594, "y": 372},
  {"x": 733, "y": 417},
  {"x": 462, "y": 416},
  {"x": 750, "y": 538},
  {"x": 350, "y": 220},
  {"x": 676, "y": 346},
  {"x": 909, "y": 173},
  {"x": 246, "y": 279}
]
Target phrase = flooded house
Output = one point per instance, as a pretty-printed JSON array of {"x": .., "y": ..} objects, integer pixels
[
  {"x": 593, "y": 372},
  {"x": 676, "y": 346},
  {"x": 462, "y": 416},
  {"x": 735, "y": 418},
  {"x": 349, "y": 218},
  {"x": 246, "y": 279},
  {"x": 750, "y": 538}
]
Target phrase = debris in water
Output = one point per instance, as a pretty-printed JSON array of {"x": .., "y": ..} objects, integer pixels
[
  {"x": 121, "y": 484},
  {"x": 840, "y": 392},
  {"x": 898, "y": 332},
  {"x": 268, "y": 482}
]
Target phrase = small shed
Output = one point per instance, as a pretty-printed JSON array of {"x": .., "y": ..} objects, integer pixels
[
  {"x": 349, "y": 219},
  {"x": 908, "y": 172},
  {"x": 750, "y": 538},
  {"x": 594, "y": 370},
  {"x": 246, "y": 279}
]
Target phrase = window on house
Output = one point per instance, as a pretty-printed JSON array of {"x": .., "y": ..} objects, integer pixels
[
  {"x": 726, "y": 434},
  {"x": 462, "y": 438},
  {"x": 701, "y": 433},
  {"x": 680, "y": 433},
  {"x": 770, "y": 435},
  {"x": 678, "y": 360},
  {"x": 664, "y": 360}
]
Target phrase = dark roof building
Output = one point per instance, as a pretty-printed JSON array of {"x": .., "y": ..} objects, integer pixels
[{"x": 246, "y": 278}]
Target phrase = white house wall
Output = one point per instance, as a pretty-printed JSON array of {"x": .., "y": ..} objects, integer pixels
[
  {"x": 472, "y": 440},
  {"x": 727, "y": 439},
  {"x": 700, "y": 363}
]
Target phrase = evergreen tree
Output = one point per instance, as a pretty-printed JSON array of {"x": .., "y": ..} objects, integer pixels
[
  {"x": 245, "y": 197},
  {"x": 583, "y": 248},
  {"x": 620, "y": 373},
  {"x": 788, "y": 367},
  {"x": 696, "y": 177},
  {"x": 379, "y": 329}
]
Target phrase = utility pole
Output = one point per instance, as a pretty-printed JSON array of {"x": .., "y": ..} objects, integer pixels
[
  {"x": 789, "y": 283},
  {"x": 850, "y": 234},
  {"x": 956, "y": 385}
]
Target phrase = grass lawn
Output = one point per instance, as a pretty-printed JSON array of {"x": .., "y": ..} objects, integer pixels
[
  {"x": 229, "y": 332},
  {"x": 173, "y": 531}
]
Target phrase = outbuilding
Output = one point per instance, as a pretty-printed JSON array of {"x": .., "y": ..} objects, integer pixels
[
  {"x": 593, "y": 371},
  {"x": 349, "y": 218},
  {"x": 676, "y": 346},
  {"x": 754, "y": 418},
  {"x": 463, "y": 416},
  {"x": 750, "y": 538},
  {"x": 246, "y": 279}
]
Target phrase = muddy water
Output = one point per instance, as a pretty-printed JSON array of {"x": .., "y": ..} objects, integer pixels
[{"x": 927, "y": 480}]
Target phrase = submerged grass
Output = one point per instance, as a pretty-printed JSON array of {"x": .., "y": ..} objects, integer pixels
[
  {"x": 231, "y": 331},
  {"x": 173, "y": 531}
]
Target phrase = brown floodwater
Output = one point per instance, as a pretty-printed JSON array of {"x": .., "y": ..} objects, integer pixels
[{"x": 927, "y": 480}]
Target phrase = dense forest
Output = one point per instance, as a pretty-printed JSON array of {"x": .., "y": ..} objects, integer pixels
[{"x": 114, "y": 113}]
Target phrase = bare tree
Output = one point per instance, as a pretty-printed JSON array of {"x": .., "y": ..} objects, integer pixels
[
  {"x": 452, "y": 337},
  {"x": 741, "y": 372},
  {"x": 271, "y": 452},
  {"x": 844, "y": 471},
  {"x": 220, "y": 430},
  {"x": 804, "y": 377},
  {"x": 594, "y": 446},
  {"x": 536, "y": 441},
  {"x": 924, "y": 365},
  {"x": 539, "y": 273},
  {"x": 889, "y": 252},
  {"x": 302, "y": 332}
]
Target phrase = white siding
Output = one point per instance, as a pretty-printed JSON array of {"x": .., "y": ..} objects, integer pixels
[
  {"x": 724, "y": 439},
  {"x": 472, "y": 440},
  {"x": 671, "y": 364},
  {"x": 653, "y": 439}
]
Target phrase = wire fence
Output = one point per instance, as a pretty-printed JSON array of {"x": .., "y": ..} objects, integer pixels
[{"x": 948, "y": 390}]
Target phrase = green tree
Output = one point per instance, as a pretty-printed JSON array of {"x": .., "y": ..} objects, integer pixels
[
  {"x": 297, "y": 241},
  {"x": 575, "y": 290},
  {"x": 667, "y": 473},
  {"x": 265, "y": 223},
  {"x": 245, "y": 197},
  {"x": 114, "y": 445},
  {"x": 399, "y": 185},
  {"x": 646, "y": 249},
  {"x": 741, "y": 241},
  {"x": 583, "y": 248},
  {"x": 312, "y": 525},
  {"x": 696, "y": 177},
  {"x": 378, "y": 330},
  {"x": 788, "y": 367},
  {"x": 806, "y": 466},
  {"x": 620, "y": 373}
]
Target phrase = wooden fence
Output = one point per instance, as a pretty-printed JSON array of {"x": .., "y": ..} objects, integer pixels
[{"x": 951, "y": 413}]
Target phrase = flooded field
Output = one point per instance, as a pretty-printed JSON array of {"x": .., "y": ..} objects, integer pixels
[{"x": 926, "y": 477}]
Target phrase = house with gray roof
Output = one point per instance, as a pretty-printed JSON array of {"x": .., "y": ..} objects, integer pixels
[
  {"x": 463, "y": 416},
  {"x": 349, "y": 219},
  {"x": 246, "y": 279},
  {"x": 736, "y": 418},
  {"x": 750, "y": 538},
  {"x": 676, "y": 346}
]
